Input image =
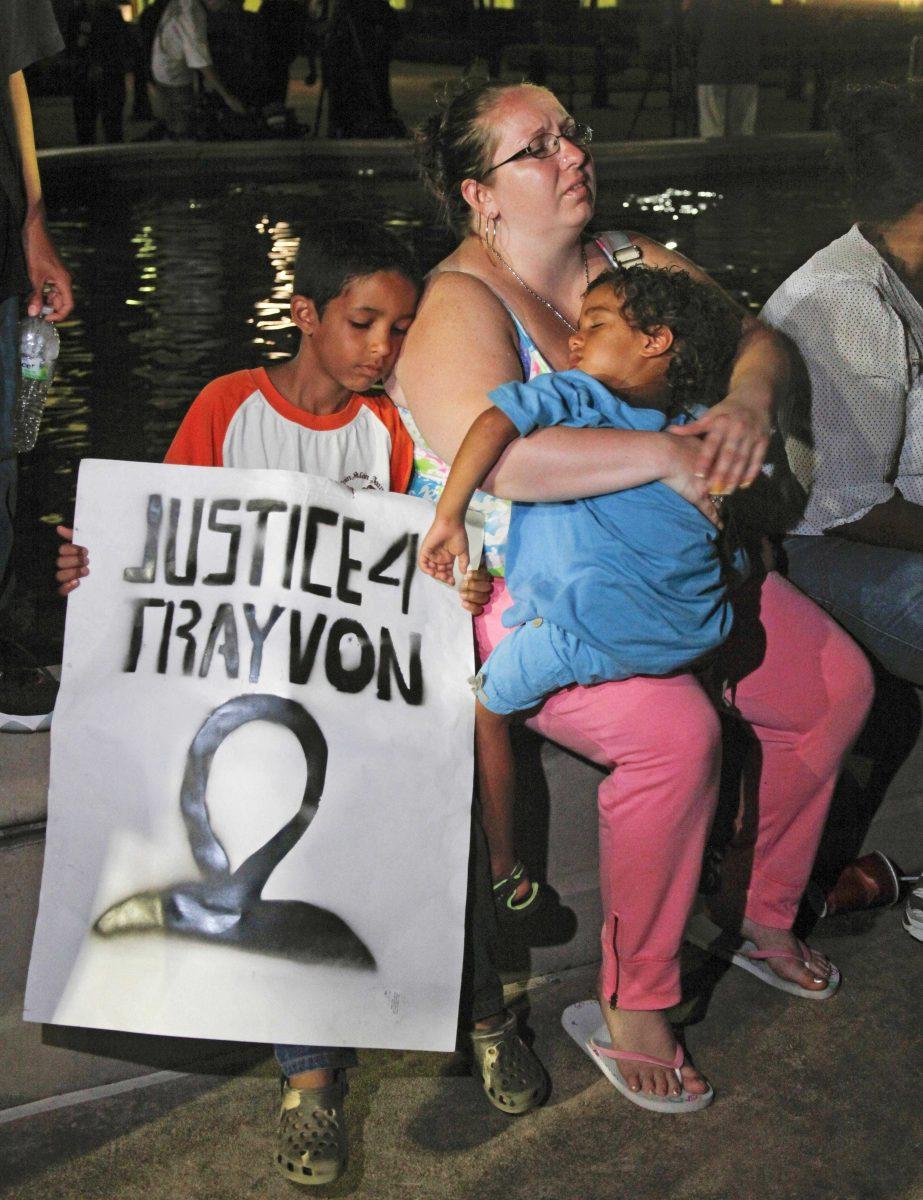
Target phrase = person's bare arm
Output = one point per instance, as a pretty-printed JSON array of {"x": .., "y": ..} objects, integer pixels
[
  {"x": 214, "y": 84},
  {"x": 489, "y": 435},
  {"x": 898, "y": 523},
  {"x": 460, "y": 347},
  {"x": 50, "y": 279},
  {"x": 447, "y": 539},
  {"x": 734, "y": 433}
]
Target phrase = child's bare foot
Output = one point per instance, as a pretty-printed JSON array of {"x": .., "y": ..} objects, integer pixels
[{"x": 648, "y": 1033}]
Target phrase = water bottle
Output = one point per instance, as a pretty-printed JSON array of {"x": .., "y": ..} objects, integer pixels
[{"x": 38, "y": 346}]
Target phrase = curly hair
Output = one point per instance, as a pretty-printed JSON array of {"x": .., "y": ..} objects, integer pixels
[
  {"x": 457, "y": 143},
  {"x": 880, "y": 148},
  {"x": 705, "y": 327}
]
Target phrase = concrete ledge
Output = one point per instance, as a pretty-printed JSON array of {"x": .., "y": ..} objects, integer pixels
[{"x": 164, "y": 168}]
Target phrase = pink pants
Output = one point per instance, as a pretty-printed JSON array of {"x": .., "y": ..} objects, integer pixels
[{"x": 803, "y": 687}]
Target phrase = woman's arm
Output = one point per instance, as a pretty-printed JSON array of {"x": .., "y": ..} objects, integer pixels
[{"x": 460, "y": 347}]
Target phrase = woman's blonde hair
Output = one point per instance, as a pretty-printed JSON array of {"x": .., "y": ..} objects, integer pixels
[{"x": 457, "y": 143}]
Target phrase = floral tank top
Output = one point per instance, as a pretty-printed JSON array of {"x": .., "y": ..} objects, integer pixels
[{"x": 430, "y": 471}]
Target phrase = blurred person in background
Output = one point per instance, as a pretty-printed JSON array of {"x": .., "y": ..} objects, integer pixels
[
  {"x": 30, "y": 271},
  {"x": 180, "y": 51},
  {"x": 726, "y": 38},
  {"x": 99, "y": 49}
]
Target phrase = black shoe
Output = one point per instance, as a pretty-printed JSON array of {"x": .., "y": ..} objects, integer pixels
[{"x": 27, "y": 692}]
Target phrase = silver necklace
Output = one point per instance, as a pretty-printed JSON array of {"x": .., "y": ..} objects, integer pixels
[{"x": 533, "y": 292}]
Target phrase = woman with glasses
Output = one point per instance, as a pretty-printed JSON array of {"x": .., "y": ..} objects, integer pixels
[{"x": 515, "y": 179}]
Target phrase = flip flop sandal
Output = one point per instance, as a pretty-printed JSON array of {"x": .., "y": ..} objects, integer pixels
[
  {"x": 505, "y": 894},
  {"x": 311, "y": 1137},
  {"x": 585, "y": 1024},
  {"x": 731, "y": 948},
  {"x": 514, "y": 1080}
]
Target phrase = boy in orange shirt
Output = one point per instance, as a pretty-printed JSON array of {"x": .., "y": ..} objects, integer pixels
[{"x": 355, "y": 292}]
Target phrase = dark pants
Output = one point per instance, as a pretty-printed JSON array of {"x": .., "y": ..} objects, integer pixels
[
  {"x": 94, "y": 98},
  {"x": 9, "y": 384},
  {"x": 875, "y": 592},
  {"x": 481, "y": 990}
]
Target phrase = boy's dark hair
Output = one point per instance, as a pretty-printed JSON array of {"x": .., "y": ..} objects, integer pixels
[
  {"x": 705, "y": 327},
  {"x": 334, "y": 253},
  {"x": 878, "y": 128}
]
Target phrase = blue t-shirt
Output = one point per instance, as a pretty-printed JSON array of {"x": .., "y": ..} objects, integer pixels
[{"x": 636, "y": 572}]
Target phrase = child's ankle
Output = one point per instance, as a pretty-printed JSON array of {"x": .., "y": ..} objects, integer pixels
[
  {"x": 318, "y": 1078},
  {"x": 502, "y": 868}
]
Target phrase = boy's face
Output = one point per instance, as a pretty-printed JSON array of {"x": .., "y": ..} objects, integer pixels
[
  {"x": 606, "y": 345},
  {"x": 362, "y": 330}
]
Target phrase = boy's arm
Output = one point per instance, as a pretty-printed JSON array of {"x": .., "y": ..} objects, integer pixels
[{"x": 489, "y": 435}]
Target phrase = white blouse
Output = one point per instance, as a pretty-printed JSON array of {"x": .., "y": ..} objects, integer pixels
[{"x": 855, "y": 429}]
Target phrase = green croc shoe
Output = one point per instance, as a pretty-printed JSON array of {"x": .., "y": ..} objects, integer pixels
[
  {"x": 505, "y": 889},
  {"x": 311, "y": 1138},
  {"x": 514, "y": 1080}
]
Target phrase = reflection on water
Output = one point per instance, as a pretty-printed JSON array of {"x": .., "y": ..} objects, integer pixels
[{"x": 170, "y": 293}]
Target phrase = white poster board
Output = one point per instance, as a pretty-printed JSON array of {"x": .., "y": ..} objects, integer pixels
[{"x": 261, "y": 767}]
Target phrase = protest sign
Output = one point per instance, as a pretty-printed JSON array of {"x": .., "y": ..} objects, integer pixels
[{"x": 261, "y": 767}]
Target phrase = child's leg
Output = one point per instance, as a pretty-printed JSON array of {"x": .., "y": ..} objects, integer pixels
[
  {"x": 311, "y": 1143},
  {"x": 496, "y": 788},
  {"x": 528, "y": 664},
  {"x": 313, "y": 1066}
]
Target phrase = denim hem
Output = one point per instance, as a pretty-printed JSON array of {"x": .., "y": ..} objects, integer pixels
[{"x": 294, "y": 1059}]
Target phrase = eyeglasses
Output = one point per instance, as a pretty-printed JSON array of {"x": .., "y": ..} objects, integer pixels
[{"x": 544, "y": 145}]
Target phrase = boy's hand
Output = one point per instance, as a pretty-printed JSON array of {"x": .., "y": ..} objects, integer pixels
[
  {"x": 446, "y": 541},
  {"x": 73, "y": 562},
  {"x": 475, "y": 590}
]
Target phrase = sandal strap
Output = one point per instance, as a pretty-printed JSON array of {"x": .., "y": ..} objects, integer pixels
[
  {"x": 804, "y": 955},
  {"x": 490, "y": 1037},
  {"x": 608, "y": 1052},
  {"x": 513, "y": 879},
  {"x": 504, "y": 890}
]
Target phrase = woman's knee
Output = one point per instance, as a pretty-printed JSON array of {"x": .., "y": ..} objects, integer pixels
[{"x": 849, "y": 682}]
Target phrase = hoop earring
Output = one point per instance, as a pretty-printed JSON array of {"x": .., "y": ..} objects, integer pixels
[{"x": 490, "y": 236}]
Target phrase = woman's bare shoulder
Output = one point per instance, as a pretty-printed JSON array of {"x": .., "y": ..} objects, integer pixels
[{"x": 458, "y": 301}]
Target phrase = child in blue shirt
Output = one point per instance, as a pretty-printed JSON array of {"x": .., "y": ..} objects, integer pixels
[{"x": 622, "y": 584}]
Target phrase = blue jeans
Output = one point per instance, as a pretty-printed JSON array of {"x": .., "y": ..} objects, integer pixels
[
  {"x": 293, "y": 1059},
  {"x": 9, "y": 384},
  {"x": 874, "y": 592}
]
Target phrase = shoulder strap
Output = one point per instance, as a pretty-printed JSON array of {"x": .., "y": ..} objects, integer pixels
[{"x": 619, "y": 248}]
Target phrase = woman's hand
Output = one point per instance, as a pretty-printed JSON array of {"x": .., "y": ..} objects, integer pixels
[
  {"x": 447, "y": 540},
  {"x": 682, "y": 475},
  {"x": 73, "y": 562},
  {"x": 732, "y": 441}
]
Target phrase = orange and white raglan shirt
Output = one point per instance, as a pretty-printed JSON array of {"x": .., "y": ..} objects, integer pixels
[{"x": 241, "y": 420}]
